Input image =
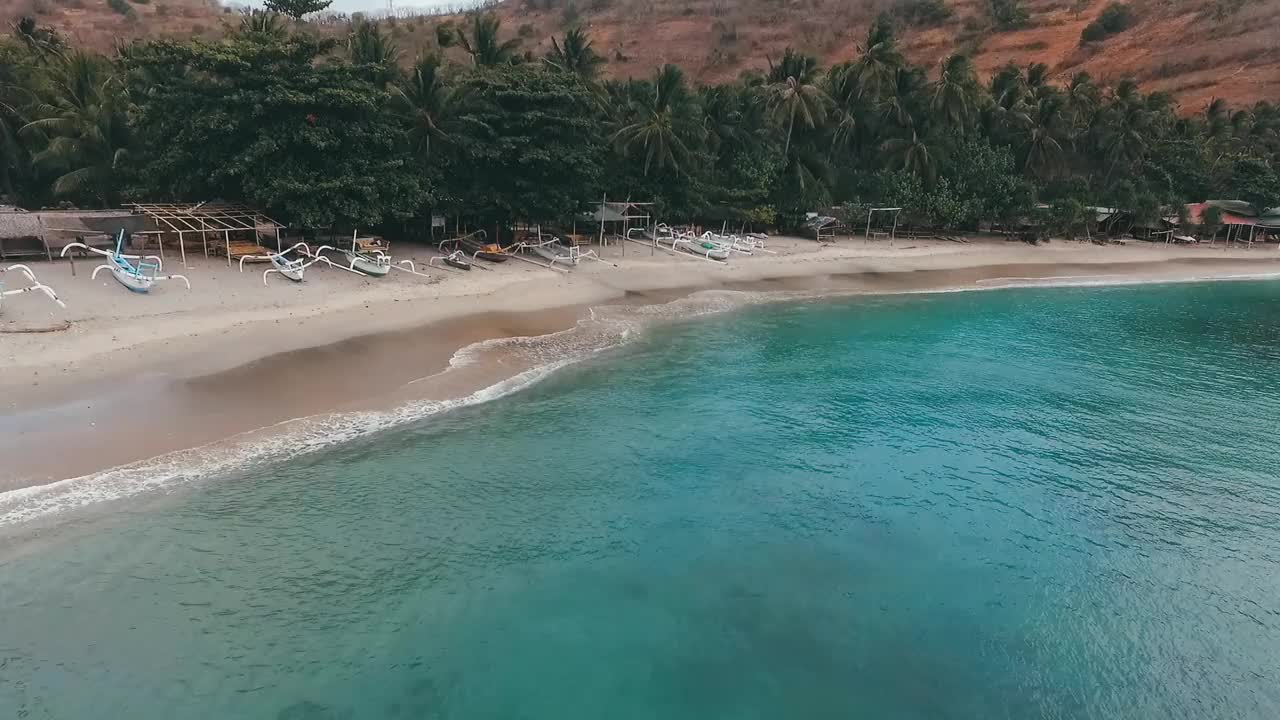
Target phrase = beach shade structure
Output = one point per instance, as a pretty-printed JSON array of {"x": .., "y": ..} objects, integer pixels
[
  {"x": 236, "y": 230},
  {"x": 22, "y": 234},
  {"x": 824, "y": 227},
  {"x": 622, "y": 216},
  {"x": 882, "y": 216},
  {"x": 1243, "y": 222}
]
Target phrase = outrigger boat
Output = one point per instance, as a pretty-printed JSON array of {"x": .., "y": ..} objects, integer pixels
[
  {"x": 368, "y": 256},
  {"x": 138, "y": 277},
  {"x": 554, "y": 251},
  {"x": 292, "y": 268},
  {"x": 456, "y": 259},
  {"x": 35, "y": 286},
  {"x": 700, "y": 246},
  {"x": 475, "y": 245}
]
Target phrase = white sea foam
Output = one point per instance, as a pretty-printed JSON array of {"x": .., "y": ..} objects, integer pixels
[{"x": 277, "y": 443}]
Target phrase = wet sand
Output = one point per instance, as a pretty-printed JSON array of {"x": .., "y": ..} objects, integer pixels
[{"x": 138, "y": 377}]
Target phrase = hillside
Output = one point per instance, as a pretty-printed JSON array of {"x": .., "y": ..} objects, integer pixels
[{"x": 1194, "y": 50}]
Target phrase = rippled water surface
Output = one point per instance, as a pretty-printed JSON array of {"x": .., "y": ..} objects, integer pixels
[{"x": 1019, "y": 504}]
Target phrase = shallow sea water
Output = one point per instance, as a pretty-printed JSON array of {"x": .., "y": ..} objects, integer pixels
[{"x": 1058, "y": 503}]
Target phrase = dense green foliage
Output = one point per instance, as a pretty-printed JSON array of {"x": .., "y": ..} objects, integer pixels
[
  {"x": 1114, "y": 18},
  {"x": 296, "y": 9},
  {"x": 346, "y": 132}
]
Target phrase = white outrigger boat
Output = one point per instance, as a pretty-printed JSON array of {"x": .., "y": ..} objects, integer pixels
[
  {"x": 551, "y": 249},
  {"x": 368, "y": 256},
  {"x": 700, "y": 246},
  {"x": 138, "y": 277},
  {"x": 292, "y": 268},
  {"x": 35, "y": 286}
]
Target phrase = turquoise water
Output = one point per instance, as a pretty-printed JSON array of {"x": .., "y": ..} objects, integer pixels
[{"x": 1057, "y": 503}]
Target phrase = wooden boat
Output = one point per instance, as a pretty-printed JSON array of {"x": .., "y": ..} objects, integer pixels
[
  {"x": 492, "y": 252},
  {"x": 35, "y": 285},
  {"x": 138, "y": 277},
  {"x": 553, "y": 252},
  {"x": 457, "y": 260}
]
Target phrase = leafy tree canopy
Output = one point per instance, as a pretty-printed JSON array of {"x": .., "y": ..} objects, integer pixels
[{"x": 268, "y": 121}]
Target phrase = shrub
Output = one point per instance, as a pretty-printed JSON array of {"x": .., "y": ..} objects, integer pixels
[
  {"x": 1009, "y": 14},
  {"x": 923, "y": 13},
  {"x": 121, "y": 6},
  {"x": 1115, "y": 18},
  {"x": 141, "y": 2}
]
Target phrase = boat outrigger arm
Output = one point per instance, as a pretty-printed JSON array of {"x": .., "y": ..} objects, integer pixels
[
  {"x": 35, "y": 285},
  {"x": 292, "y": 268},
  {"x": 138, "y": 277},
  {"x": 371, "y": 263}
]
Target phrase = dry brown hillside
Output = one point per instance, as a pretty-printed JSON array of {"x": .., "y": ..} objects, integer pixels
[{"x": 1195, "y": 50}]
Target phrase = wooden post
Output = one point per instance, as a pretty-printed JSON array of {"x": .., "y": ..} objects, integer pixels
[
  {"x": 604, "y": 197},
  {"x": 226, "y": 239},
  {"x": 182, "y": 248}
]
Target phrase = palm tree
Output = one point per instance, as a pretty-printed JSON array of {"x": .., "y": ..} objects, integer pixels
[
  {"x": 82, "y": 122},
  {"x": 262, "y": 24},
  {"x": 1081, "y": 99},
  {"x": 899, "y": 104},
  {"x": 880, "y": 59},
  {"x": 368, "y": 47},
  {"x": 427, "y": 101},
  {"x": 483, "y": 45},
  {"x": 658, "y": 126},
  {"x": 574, "y": 54},
  {"x": 849, "y": 107},
  {"x": 912, "y": 154},
  {"x": 794, "y": 94},
  {"x": 1045, "y": 135},
  {"x": 955, "y": 93}
]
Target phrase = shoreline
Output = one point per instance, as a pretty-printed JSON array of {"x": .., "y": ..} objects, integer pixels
[{"x": 214, "y": 377}]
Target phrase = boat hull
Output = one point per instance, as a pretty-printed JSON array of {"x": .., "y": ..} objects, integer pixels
[
  {"x": 376, "y": 267},
  {"x": 708, "y": 251},
  {"x": 135, "y": 283},
  {"x": 455, "y": 262},
  {"x": 291, "y": 269},
  {"x": 556, "y": 255}
]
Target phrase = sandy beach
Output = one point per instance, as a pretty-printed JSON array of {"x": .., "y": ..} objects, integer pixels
[{"x": 129, "y": 377}]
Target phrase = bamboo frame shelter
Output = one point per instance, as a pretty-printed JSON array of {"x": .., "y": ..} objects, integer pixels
[
  {"x": 220, "y": 219},
  {"x": 879, "y": 232},
  {"x": 612, "y": 211}
]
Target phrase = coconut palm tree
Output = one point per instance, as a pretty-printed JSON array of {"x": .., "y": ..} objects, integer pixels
[
  {"x": 794, "y": 93},
  {"x": 658, "y": 124},
  {"x": 1045, "y": 136},
  {"x": 483, "y": 45},
  {"x": 80, "y": 122},
  {"x": 880, "y": 59},
  {"x": 576, "y": 55},
  {"x": 1081, "y": 99},
  {"x": 954, "y": 96},
  {"x": 911, "y": 153},
  {"x": 427, "y": 102},
  {"x": 850, "y": 107}
]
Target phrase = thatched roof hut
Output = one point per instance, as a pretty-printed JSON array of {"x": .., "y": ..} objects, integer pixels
[{"x": 22, "y": 235}]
